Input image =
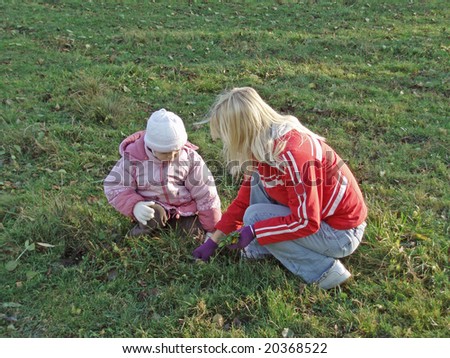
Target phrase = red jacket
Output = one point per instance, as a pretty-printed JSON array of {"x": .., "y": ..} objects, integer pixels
[{"x": 313, "y": 182}]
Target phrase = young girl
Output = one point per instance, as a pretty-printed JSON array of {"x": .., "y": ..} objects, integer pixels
[
  {"x": 162, "y": 181},
  {"x": 300, "y": 203}
]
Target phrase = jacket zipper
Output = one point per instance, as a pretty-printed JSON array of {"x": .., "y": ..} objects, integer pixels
[{"x": 164, "y": 185}]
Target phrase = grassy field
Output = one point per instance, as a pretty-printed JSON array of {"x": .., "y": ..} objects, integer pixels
[{"x": 78, "y": 76}]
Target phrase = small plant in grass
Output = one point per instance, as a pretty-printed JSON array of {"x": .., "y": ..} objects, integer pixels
[
  {"x": 11, "y": 265},
  {"x": 29, "y": 246},
  {"x": 230, "y": 239}
]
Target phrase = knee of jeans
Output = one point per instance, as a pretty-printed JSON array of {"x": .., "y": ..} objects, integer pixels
[
  {"x": 250, "y": 216},
  {"x": 347, "y": 250}
]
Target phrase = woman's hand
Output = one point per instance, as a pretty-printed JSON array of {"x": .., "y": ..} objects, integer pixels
[
  {"x": 246, "y": 236},
  {"x": 205, "y": 251}
]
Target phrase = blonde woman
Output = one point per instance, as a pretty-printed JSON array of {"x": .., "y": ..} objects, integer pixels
[{"x": 298, "y": 202}]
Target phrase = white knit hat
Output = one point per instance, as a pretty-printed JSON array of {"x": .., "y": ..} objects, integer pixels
[{"x": 165, "y": 132}]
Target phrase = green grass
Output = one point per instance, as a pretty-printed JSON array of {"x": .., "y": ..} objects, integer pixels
[{"x": 78, "y": 76}]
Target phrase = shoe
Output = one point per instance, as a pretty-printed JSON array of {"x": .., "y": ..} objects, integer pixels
[{"x": 335, "y": 276}]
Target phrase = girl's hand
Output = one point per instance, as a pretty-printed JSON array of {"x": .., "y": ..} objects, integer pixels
[{"x": 143, "y": 212}]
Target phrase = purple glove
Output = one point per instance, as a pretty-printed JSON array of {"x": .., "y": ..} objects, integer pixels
[
  {"x": 246, "y": 235},
  {"x": 205, "y": 251}
]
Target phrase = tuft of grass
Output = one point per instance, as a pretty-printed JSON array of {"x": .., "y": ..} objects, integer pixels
[
  {"x": 134, "y": 37},
  {"x": 93, "y": 101}
]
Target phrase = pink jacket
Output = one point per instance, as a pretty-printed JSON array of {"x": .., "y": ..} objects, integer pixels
[{"x": 183, "y": 187}]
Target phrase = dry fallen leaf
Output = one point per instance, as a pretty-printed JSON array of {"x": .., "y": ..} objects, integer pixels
[
  {"x": 287, "y": 333},
  {"x": 218, "y": 320},
  {"x": 44, "y": 244}
]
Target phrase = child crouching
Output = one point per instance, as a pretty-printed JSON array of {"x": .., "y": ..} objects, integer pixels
[{"x": 161, "y": 181}]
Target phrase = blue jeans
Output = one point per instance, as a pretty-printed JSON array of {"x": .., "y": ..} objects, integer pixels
[{"x": 309, "y": 257}]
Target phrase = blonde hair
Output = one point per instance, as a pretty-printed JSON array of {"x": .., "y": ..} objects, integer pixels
[{"x": 244, "y": 122}]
